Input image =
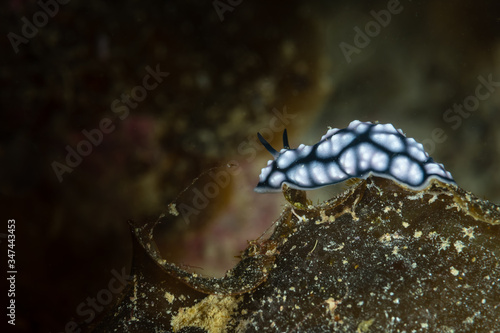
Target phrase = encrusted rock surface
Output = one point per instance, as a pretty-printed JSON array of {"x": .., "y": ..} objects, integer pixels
[{"x": 376, "y": 258}]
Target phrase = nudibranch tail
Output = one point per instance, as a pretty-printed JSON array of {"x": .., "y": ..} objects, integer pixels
[{"x": 358, "y": 151}]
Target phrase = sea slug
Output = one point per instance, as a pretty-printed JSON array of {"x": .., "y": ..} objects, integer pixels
[{"x": 358, "y": 151}]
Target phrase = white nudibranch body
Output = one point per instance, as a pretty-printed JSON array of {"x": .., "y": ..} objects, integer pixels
[{"x": 358, "y": 151}]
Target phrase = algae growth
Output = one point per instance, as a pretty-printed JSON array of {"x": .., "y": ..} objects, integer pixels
[{"x": 377, "y": 258}]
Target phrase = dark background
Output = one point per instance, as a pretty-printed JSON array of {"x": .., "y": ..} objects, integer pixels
[{"x": 233, "y": 66}]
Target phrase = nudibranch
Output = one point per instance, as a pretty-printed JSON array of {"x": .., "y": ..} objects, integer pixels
[{"x": 358, "y": 151}]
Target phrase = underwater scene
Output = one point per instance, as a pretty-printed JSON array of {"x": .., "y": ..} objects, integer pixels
[{"x": 250, "y": 166}]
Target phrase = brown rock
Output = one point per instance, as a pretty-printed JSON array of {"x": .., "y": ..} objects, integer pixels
[{"x": 378, "y": 258}]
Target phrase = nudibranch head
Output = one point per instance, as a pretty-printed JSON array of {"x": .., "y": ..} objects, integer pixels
[{"x": 358, "y": 151}]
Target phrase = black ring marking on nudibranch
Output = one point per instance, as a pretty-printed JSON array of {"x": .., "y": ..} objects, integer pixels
[{"x": 376, "y": 149}]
